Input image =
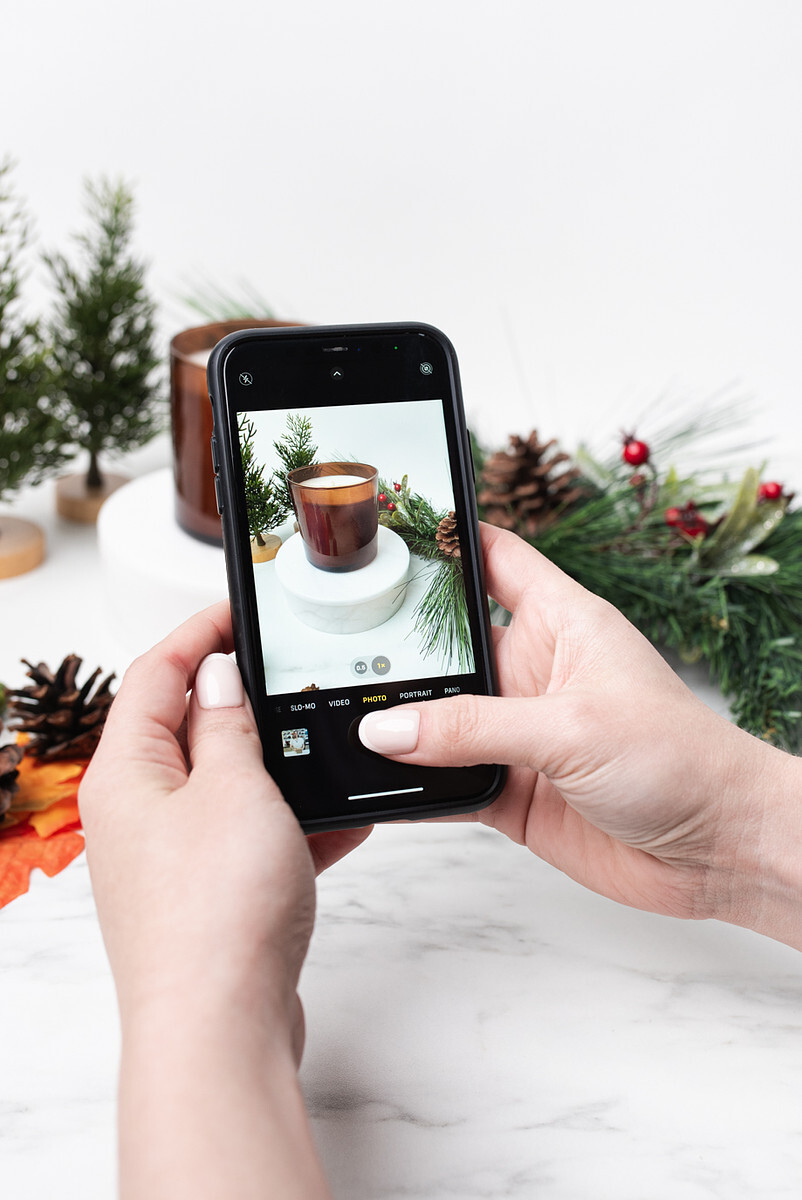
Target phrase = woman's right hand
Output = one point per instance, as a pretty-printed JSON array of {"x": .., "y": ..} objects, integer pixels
[{"x": 619, "y": 775}]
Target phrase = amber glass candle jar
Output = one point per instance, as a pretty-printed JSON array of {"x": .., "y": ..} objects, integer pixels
[
  {"x": 191, "y": 413},
  {"x": 338, "y": 513}
]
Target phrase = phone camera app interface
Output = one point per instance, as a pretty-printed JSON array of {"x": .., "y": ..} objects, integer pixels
[{"x": 355, "y": 549}]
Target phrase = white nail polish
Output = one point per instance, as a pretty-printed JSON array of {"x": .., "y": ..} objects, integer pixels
[
  {"x": 218, "y": 683},
  {"x": 393, "y": 732}
]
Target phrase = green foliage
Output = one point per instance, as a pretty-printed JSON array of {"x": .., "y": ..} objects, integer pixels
[
  {"x": 731, "y": 599},
  {"x": 759, "y": 659},
  {"x": 31, "y": 440},
  {"x": 412, "y": 518},
  {"x": 214, "y": 303},
  {"x": 441, "y": 615},
  {"x": 103, "y": 353},
  {"x": 295, "y": 449},
  {"x": 747, "y": 524},
  {"x": 263, "y": 503}
]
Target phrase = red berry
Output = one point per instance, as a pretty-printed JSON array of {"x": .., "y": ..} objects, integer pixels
[
  {"x": 770, "y": 490},
  {"x": 391, "y": 507},
  {"x": 637, "y": 480},
  {"x": 382, "y": 498},
  {"x": 692, "y": 523},
  {"x": 696, "y": 527},
  {"x": 687, "y": 520},
  {"x": 635, "y": 452},
  {"x": 397, "y": 487}
]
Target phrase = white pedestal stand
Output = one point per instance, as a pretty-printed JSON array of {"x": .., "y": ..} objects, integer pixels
[
  {"x": 345, "y": 601},
  {"x": 155, "y": 575}
]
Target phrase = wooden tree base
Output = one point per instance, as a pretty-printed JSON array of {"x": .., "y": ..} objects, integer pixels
[
  {"x": 77, "y": 502},
  {"x": 22, "y": 546},
  {"x": 271, "y": 547}
]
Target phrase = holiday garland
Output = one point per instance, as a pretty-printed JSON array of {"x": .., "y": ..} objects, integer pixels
[{"x": 712, "y": 570}]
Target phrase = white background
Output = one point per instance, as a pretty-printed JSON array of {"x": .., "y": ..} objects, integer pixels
[
  {"x": 598, "y": 202},
  {"x": 395, "y": 438}
]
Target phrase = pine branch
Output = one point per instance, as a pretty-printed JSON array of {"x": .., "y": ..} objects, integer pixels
[
  {"x": 295, "y": 449},
  {"x": 441, "y": 617},
  {"x": 214, "y": 303}
]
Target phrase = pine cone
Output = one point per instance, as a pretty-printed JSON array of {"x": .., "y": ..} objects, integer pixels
[
  {"x": 447, "y": 537},
  {"x": 10, "y": 758},
  {"x": 62, "y": 720},
  {"x": 526, "y": 487}
]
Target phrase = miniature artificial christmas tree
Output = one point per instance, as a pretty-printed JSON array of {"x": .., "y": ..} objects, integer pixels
[
  {"x": 264, "y": 506},
  {"x": 31, "y": 440},
  {"x": 104, "y": 355}
]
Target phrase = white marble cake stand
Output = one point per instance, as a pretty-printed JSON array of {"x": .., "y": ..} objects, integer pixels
[{"x": 345, "y": 601}]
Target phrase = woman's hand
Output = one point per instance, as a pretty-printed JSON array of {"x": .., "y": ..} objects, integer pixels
[
  {"x": 200, "y": 870},
  {"x": 619, "y": 775},
  {"x": 204, "y": 885}
]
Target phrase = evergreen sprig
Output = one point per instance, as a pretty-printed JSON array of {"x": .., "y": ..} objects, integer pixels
[
  {"x": 214, "y": 303},
  {"x": 296, "y": 448},
  {"x": 441, "y": 617}
]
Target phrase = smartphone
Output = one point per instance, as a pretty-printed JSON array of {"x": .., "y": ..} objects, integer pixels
[{"x": 345, "y": 487}]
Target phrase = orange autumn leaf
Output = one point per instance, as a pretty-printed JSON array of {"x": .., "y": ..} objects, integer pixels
[
  {"x": 39, "y": 828},
  {"x": 23, "y": 849},
  {"x": 41, "y": 784},
  {"x": 58, "y": 816}
]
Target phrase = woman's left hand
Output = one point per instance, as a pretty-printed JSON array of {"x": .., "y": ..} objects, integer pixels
[{"x": 203, "y": 879}]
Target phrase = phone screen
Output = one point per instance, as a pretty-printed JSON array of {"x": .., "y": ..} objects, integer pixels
[{"x": 357, "y": 559}]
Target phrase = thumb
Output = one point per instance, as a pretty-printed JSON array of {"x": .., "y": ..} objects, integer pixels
[
  {"x": 462, "y": 731},
  {"x": 221, "y": 728}
]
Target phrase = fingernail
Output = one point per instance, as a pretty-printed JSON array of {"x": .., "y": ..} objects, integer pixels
[
  {"x": 218, "y": 683},
  {"x": 393, "y": 732}
]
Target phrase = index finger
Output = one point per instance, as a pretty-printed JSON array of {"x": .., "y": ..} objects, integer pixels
[{"x": 513, "y": 567}]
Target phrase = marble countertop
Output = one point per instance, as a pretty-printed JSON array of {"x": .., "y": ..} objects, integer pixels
[{"x": 478, "y": 1025}]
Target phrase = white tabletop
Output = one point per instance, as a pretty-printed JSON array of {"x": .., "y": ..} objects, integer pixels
[{"x": 478, "y": 1025}]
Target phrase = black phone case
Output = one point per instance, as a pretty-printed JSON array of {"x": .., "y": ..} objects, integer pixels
[{"x": 243, "y": 614}]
